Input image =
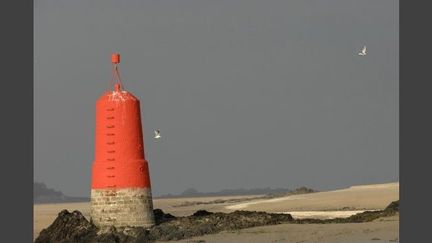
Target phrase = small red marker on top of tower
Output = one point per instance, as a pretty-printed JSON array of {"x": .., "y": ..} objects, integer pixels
[{"x": 115, "y": 58}]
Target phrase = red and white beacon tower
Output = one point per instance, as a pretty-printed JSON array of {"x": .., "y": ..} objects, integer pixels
[{"x": 120, "y": 190}]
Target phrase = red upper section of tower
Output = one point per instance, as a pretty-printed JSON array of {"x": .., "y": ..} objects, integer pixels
[{"x": 119, "y": 148}]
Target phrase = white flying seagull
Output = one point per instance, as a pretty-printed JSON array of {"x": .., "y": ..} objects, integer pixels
[
  {"x": 157, "y": 134},
  {"x": 363, "y": 51}
]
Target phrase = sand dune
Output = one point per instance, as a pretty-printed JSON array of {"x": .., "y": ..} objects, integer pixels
[{"x": 364, "y": 197}]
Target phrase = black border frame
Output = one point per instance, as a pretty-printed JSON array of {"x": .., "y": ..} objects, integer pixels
[
  {"x": 415, "y": 144},
  {"x": 16, "y": 176}
]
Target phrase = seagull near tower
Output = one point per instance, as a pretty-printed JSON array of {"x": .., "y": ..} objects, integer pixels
[
  {"x": 157, "y": 134},
  {"x": 363, "y": 51}
]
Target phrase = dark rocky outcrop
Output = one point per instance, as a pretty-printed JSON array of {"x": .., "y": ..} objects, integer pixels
[
  {"x": 200, "y": 213},
  {"x": 161, "y": 217},
  {"x": 68, "y": 227},
  {"x": 73, "y": 227},
  {"x": 393, "y": 206}
]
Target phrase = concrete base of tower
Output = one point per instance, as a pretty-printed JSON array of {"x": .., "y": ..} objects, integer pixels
[{"x": 122, "y": 207}]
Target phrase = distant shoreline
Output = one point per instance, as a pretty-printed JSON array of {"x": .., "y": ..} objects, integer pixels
[
  {"x": 191, "y": 192},
  {"x": 66, "y": 200}
]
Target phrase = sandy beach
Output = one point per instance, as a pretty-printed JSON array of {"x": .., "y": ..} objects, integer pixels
[
  {"x": 381, "y": 230},
  {"x": 329, "y": 204}
]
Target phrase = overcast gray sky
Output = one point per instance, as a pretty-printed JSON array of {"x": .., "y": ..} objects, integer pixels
[{"x": 246, "y": 93}]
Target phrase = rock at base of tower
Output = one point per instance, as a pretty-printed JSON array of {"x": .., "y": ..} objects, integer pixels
[{"x": 122, "y": 207}]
